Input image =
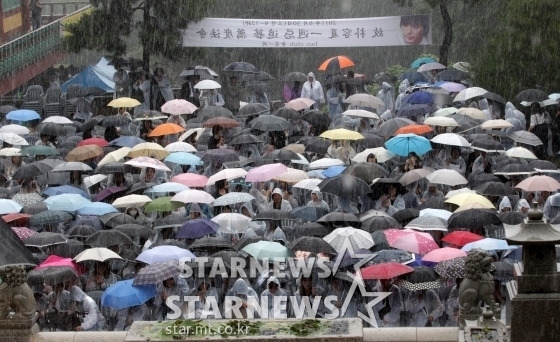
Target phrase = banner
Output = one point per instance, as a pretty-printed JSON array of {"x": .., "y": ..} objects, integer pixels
[{"x": 275, "y": 33}]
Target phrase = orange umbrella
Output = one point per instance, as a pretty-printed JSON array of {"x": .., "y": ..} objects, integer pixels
[
  {"x": 85, "y": 152},
  {"x": 221, "y": 121},
  {"x": 416, "y": 129},
  {"x": 337, "y": 62},
  {"x": 165, "y": 129}
]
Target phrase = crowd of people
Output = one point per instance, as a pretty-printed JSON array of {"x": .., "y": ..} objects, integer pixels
[{"x": 407, "y": 306}]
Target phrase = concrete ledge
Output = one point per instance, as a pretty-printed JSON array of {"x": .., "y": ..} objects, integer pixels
[
  {"x": 83, "y": 336},
  {"x": 411, "y": 334}
]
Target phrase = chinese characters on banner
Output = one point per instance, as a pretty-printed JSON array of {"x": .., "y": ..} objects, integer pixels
[{"x": 264, "y": 33}]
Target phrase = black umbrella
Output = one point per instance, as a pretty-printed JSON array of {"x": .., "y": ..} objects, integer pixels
[
  {"x": 34, "y": 208},
  {"x": 481, "y": 178},
  {"x": 115, "y": 120},
  {"x": 389, "y": 127},
  {"x": 389, "y": 255},
  {"x": 311, "y": 229},
  {"x": 316, "y": 145},
  {"x": 170, "y": 242},
  {"x": 246, "y": 139},
  {"x": 27, "y": 171},
  {"x": 365, "y": 171},
  {"x": 294, "y": 76},
  {"x": 339, "y": 217},
  {"x": 287, "y": 113},
  {"x": 311, "y": 244},
  {"x": 138, "y": 187},
  {"x": 270, "y": 123},
  {"x": 317, "y": 119},
  {"x": 423, "y": 278},
  {"x": 211, "y": 112},
  {"x": 494, "y": 97},
  {"x": 379, "y": 223},
  {"x": 473, "y": 218},
  {"x": 452, "y": 75},
  {"x": 494, "y": 189},
  {"x": 434, "y": 203},
  {"x": 372, "y": 140},
  {"x": 487, "y": 145},
  {"x": 413, "y": 110},
  {"x": 241, "y": 67},
  {"x": 543, "y": 165},
  {"x": 260, "y": 76},
  {"x": 51, "y": 275},
  {"x": 7, "y": 108},
  {"x": 49, "y": 217},
  {"x": 308, "y": 213},
  {"x": 502, "y": 271},
  {"x": 281, "y": 155},
  {"x": 406, "y": 215},
  {"x": 344, "y": 185},
  {"x": 412, "y": 77},
  {"x": 252, "y": 109},
  {"x": 107, "y": 238},
  {"x": 81, "y": 231},
  {"x": 515, "y": 169},
  {"x": 52, "y": 129},
  {"x": 113, "y": 167},
  {"x": 134, "y": 229},
  {"x": 274, "y": 215},
  {"x": 210, "y": 242},
  {"x": 511, "y": 217},
  {"x": 531, "y": 95},
  {"x": 14, "y": 251},
  {"x": 69, "y": 249},
  {"x": 380, "y": 241},
  {"x": 170, "y": 221},
  {"x": 115, "y": 219},
  {"x": 465, "y": 122},
  {"x": 220, "y": 155},
  {"x": 44, "y": 239}
]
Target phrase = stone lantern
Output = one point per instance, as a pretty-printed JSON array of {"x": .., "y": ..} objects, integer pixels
[{"x": 536, "y": 307}]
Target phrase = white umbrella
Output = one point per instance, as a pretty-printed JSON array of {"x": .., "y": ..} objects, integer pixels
[
  {"x": 360, "y": 113},
  {"x": 441, "y": 121},
  {"x": 207, "y": 84},
  {"x": 16, "y": 129},
  {"x": 96, "y": 254},
  {"x": 131, "y": 201},
  {"x": 496, "y": 124},
  {"x": 147, "y": 162},
  {"x": 469, "y": 93},
  {"x": 445, "y": 111},
  {"x": 452, "y": 193},
  {"x": 71, "y": 166},
  {"x": 365, "y": 100},
  {"x": 13, "y": 139},
  {"x": 292, "y": 176},
  {"x": 324, "y": 163},
  {"x": 431, "y": 66},
  {"x": 8, "y": 206},
  {"x": 235, "y": 222},
  {"x": 518, "y": 152},
  {"x": 193, "y": 196},
  {"x": 473, "y": 113},
  {"x": 302, "y": 160},
  {"x": 446, "y": 177},
  {"x": 178, "y": 107},
  {"x": 381, "y": 155},
  {"x": 57, "y": 119},
  {"x": 426, "y": 223},
  {"x": 92, "y": 180},
  {"x": 191, "y": 131},
  {"x": 227, "y": 174},
  {"x": 114, "y": 156},
  {"x": 232, "y": 198},
  {"x": 349, "y": 237},
  {"x": 308, "y": 184},
  {"x": 451, "y": 139},
  {"x": 444, "y": 214},
  {"x": 180, "y": 146},
  {"x": 10, "y": 152}
]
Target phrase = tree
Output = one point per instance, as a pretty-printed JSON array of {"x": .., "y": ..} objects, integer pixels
[
  {"x": 523, "y": 54},
  {"x": 442, "y": 5},
  {"x": 158, "y": 24}
]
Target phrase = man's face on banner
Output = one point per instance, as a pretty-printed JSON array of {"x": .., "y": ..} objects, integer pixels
[{"x": 412, "y": 34}]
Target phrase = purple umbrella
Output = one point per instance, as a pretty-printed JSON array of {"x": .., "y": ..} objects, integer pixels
[
  {"x": 194, "y": 229},
  {"x": 108, "y": 192}
]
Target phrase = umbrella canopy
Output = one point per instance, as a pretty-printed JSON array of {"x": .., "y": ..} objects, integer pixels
[
  {"x": 385, "y": 271},
  {"x": 157, "y": 272},
  {"x": 413, "y": 176},
  {"x": 147, "y": 162},
  {"x": 96, "y": 254},
  {"x": 267, "y": 123},
  {"x": 133, "y": 229},
  {"x": 312, "y": 244},
  {"x": 461, "y": 238},
  {"x": 426, "y": 223},
  {"x": 207, "y": 85},
  {"x": 531, "y": 95},
  {"x": 115, "y": 219},
  {"x": 23, "y": 115},
  {"x": 82, "y": 153},
  {"x": 166, "y": 188},
  {"x": 8, "y": 206},
  {"x": 222, "y": 122},
  {"x": 494, "y": 189},
  {"x": 232, "y": 221},
  {"x": 44, "y": 239},
  {"x": 178, "y": 107},
  {"x": 403, "y": 144},
  {"x": 451, "y": 268},
  {"x": 124, "y": 102},
  {"x": 191, "y": 180},
  {"x": 308, "y": 184},
  {"x": 366, "y": 171},
  {"x": 410, "y": 240},
  {"x": 349, "y": 237},
  {"x": 49, "y": 217},
  {"x": 71, "y": 166},
  {"x": 281, "y": 155},
  {"x": 193, "y": 196},
  {"x": 415, "y": 129},
  {"x": 161, "y": 254},
  {"x": 197, "y": 228},
  {"x": 292, "y": 176},
  {"x": 267, "y": 250},
  {"x": 107, "y": 238},
  {"x": 252, "y": 109},
  {"x": 365, "y": 100},
  {"x": 336, "y": 63},
  {"x": 273, "y": 215},
  {"x": 113, "y": 157},
  {"x": 451, "y": 139},
  {"x": 180, "y": 146},
  {"x": 265, "y": 172},
  {"x": 166, "y": 129},
  {"x": 13, "y": 139},
  {"x": 162, "y": 204},
  {"x": 488, "y": 244},
  {"x": 345, "y": 185},
  {"x": 27, "y": 171},
  {"x": 51, "y": 275},
  {"x": 341, "y": 134},
  {"x": 148, "y": 149},
  {"x": 539, "y": 183},
  {"x": 220, "y": 155},
  {"x": 123, "y": 294},
  {"x": 81, "y": 231},
  {"x": 226, "y": 174},
  {"x": 423, "y": 278},
  {"x": 442, "y": 254},
  {"x": 473, "y": 218},
  {"x": 471, "y": 112},
  {"x": 307, "y": 213},
  {"x": 14, "y": 251},
  {"x": 299, "y": 104},
  {"x": 446, "y": 177},
  {"x": 391, "y": 255},
  {"x": 496, "y": 124},
  {"x": 96, "y": 209},
  {"x": 94, "y": 141},
  {"x": 381, "y": 155},
  {"x": 431, "y": 66},
  {"x": 469, "y": 93},
  {"x": 525, "y": 137},
  {"x": 212, "y": 112},
  {"x": 66, "y": 202},
  {"x": 232, "y": 198},
  {"x": 16, "y": 129}
]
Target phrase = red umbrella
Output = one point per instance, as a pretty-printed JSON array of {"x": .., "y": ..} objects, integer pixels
[
  {"x": 442, "y": 254},
  {"x": 18, "y": 219},
  {"x": 385, "y": 271},
  {"x": 461, "y": 238},
  {"x": 94, "y": 141}
]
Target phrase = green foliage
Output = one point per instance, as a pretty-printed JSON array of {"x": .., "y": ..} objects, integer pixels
[
  {"x": 305, "y": 327},
  {"x": 524, "y": 53},
  {"x": 395, "y": 70}
]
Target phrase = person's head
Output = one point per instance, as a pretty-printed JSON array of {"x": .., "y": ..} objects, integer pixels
[
  {"x": 169, "y": 282},
  {"x": 370, "y": 158},
  {"x": 440, "y": 129},
  {"x": 432, "y": 188},
  {"x": 212, "y": 92},
  {"x": 311, "y": 77},
  {"x": 306, "y": 283},
  {"x": 350, "y": 74},
  {"x": 455, "y": 152},
  {"x": 75, "y": 176},
  {"x": 414, "y": 28},
  {"x": 119, "y": 178},
  {"x": 245, "y": 211},
  {"x": 158, "y": 72},
  {"x": 147, "y": 123},
  {"x": 535, "y": 108},
  {"x": 133, "y": 211},
  {"x": 385, "y": 284},
  {"x": 217, "y": 131},
  {"x": 277, "y": 196},
  {"x": 273, "y": 285},
  {"x": 314, "y": 196},
  {"x": 392, "y": 189},
  {"x": 150, "y": 172},
  {"x": 413, "y": 156},
  {"x": 226, "y": 209},
  {"x": 16, "y": 160},
  {"x": 233, "y": 80},
  {"x": 122, "y": 110}
]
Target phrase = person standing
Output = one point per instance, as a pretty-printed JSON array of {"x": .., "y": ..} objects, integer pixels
[
  {"x": 122, "y": 83},
  {"x": 36, "y": 9},
  {"x": 386, "y": 95},
  {"x": 540, "y": 120},
  {"x": 334, "y": 97},
  {"x": 161, "y": 89},
  {"x": 232, "y": 95},
  {"x": 313, "y": 90},
  {"x": 188, "y": 92}
]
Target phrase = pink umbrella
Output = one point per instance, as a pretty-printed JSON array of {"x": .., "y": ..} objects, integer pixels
[
  {"x": 265, "y": 172},
  {"x": 191, "y": 180},
  {"x": 445, "y": 253},
  {"x": 56, "y": 261},
  {"x": 23, "y": 232},
  {"x": 300, "y": 103},
  {"x": 452, "y": 87},
  {"x": 539, "y": 183},
  {"x": 147, "y": 162},
  {"x": 178, "y": 107},
  {"x": 193, "y": 196},
  {"x": 410, "y": 240}
]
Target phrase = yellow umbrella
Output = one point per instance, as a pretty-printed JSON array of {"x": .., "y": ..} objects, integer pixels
[
  {"x": 114, "y": 156},
  {"x": 124, "y": 102},
  {"x": 342, "y": 134},
  {"x": 469, "y": 198},
  {"x": 131, "y": 201},
  {"x": 297, "y": 148},
  {"x": 148, "y": 149},
  {"x": 472, "y": 206}
]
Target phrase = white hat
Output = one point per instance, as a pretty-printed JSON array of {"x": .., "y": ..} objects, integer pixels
[{"x": 311, "y": 75}]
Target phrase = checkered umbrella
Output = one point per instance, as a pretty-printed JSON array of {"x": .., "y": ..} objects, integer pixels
[
  {"x": 423, "y": 278},
  {"x": 157, "y": 273}
]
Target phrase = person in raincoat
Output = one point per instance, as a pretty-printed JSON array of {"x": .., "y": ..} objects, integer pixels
[
  {"x": 551, "y": 208},
  {"x": 127, "y": 316},
  {"x": 174, "y": 286},
  {"x": 386, "y": 95},
  {"x": 522, "y": 206},
  {"x": 59, "y": 299},
  {"x": 278, "y": 201},
  {"x": 540, "y": 122},
  {"x": 312, "y": 89},
  {"x": 345, "y": 152},
  {"x": 388, "y": 311},
  {"x": 425, "y": 307},
  {"x": 431, "y": 192},
  {"x": 402, "y": 94},
  {"x": 308, "y": 290},
  {"x": 455, "y": 161},
  {"x": 240, "y": 291},
  {"x": 161, "y": 89},
  {"x": 204, "y": 291},
  {"x": 505, "y": 205},
  {"x": 317, "y": 200},
  {"x": 94, "y": 320},
  {"x": 276, "y": 296},
  {"x": 339, "y": 288},
  {"x": 100, "y": 278},
  {"x": 334, "y": 98},
  {"x": 391, "y": 201}
]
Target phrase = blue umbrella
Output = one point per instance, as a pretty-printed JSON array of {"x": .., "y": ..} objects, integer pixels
[
  {"x": 403, "y": 144},
  {"x": 420, "y": 61},
  {"x": 65, "y": 189},
  {"x": 163, "y": 254},
  {"x": 97, "y": 209},
  {"x": 23, "y": 115},
  {"x": 194, "y": 229},
  {"x": 412, "y": 110},
  {"x": 166, "y": 188},
  {"x": 413, "y": 77},
  {"x": 183, "y": 158},
  {"x": 127, "y": 141},
  {"x": 123, "y": 294},
  {"x": 420, "y": 97},
  {"x": 66, "y": 202},
  {"x": 333, "y": 171}
]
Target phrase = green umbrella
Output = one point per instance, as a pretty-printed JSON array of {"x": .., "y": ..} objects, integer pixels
[
  {"x": 162, "y": 204},
  {"x": 267, "y": 249},
  {"x": 39, "y": 150}
]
